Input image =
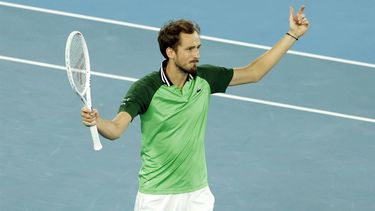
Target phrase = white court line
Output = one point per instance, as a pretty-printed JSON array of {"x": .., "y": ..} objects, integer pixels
[
  {"x": 229, "y": 96},
  {"x": 150, "y": 28},
  {"x": 58, "y": 67}
]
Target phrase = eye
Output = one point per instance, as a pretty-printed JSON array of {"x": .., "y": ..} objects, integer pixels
[{"x": 193, "y": 48}]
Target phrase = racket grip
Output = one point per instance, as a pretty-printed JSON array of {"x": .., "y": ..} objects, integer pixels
[{"x": 95, "y": 138}]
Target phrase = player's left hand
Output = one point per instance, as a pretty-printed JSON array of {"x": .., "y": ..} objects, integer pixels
[{"x": 298, "y": 23}]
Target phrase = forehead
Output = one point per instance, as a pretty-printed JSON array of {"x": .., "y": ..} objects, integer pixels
[{"x": 189, "y": 39}]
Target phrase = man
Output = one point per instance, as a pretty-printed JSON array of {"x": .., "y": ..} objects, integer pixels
[{"x": 172, "y": 104}]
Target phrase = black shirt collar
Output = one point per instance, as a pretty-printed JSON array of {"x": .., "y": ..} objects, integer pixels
[{"x": 164, "y": 76}]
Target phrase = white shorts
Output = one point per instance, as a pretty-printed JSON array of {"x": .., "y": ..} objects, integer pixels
[{"x": 200, "y": 200}]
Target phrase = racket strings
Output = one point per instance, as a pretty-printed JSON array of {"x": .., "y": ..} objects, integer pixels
[{"x": 78, "y": 63}]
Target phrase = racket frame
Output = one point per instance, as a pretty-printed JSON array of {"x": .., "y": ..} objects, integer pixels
[{"x": 85, "y": 95}]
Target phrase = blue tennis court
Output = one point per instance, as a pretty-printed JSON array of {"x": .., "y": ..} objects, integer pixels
[{"x": 301, "y": 139}]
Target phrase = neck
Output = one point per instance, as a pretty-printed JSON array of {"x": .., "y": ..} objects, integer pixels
[{"x": 175, "y": 74}]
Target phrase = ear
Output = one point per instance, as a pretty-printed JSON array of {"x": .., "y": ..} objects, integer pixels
[{"x": 170, "y": 53}]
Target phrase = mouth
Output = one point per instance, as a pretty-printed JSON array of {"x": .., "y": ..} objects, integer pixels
[{"x": 195, "y": 61}]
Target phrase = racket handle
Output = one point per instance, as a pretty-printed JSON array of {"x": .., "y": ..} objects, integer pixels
[{"x": 95, "y": 138}]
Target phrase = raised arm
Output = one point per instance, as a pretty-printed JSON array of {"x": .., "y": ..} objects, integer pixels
[
  {"x": 110, "y": 129},
  {"x": 257, "y": 69}
]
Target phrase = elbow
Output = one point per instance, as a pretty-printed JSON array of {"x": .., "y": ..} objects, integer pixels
[
  {"x": 113, "y": 138},
  {"x": 110, "y": 136},
  {"x": 257, "y": 78},
  {"x": 254, "y": 78}
]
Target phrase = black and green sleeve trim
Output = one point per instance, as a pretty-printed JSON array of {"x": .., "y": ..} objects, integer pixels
[
  {"x": 140, "y": 94},
  {"x": 218, "y": 77}
]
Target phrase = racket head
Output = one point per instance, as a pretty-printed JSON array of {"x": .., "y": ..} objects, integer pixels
[{"x": 77, "y": 62}]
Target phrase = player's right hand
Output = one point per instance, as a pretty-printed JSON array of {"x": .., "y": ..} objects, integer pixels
[{"x": 89, "y": 117}]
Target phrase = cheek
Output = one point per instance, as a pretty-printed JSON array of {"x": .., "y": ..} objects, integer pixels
[
  {"x": 188, "y": 57},
  {"x": 183, "y": 58}
]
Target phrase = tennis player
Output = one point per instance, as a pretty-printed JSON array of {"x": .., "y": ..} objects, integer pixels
[{"x": 172, "y": 104}]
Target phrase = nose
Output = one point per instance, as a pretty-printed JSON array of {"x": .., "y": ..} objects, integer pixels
[{"x": 196, "y": 54}]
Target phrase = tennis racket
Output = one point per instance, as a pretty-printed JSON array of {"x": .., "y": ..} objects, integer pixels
[{"x": 78, "y": 68}]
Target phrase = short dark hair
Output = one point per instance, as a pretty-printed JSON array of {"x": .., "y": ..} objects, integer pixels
[{"x": 169, "y": 34}]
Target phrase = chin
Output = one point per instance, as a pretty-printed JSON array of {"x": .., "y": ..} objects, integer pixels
[{"x": 194, "y": 69}]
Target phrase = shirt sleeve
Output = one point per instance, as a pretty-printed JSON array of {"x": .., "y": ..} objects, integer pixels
[
  {"x": 218, "y": 77},
  {"x": 139, "y": 96}
]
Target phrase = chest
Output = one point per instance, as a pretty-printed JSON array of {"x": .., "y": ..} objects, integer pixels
[{"x": 176, "y": 106}]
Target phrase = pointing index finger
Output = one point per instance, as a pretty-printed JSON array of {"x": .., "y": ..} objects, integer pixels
[{"x": 301, "y": 10}]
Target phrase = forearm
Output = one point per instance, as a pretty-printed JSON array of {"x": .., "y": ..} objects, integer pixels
[
  {"x": 113, "y": 129},
  {"x": 108, "y": 129},
  {"x": 263, "y": 64},
  {"x": 257, "y": 69}
]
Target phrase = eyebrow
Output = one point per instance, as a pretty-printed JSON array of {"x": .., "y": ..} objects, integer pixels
[{"x": 193, "y": 46}]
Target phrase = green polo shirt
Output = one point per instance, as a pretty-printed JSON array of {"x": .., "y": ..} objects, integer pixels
[{"x": 173, "y": 123}]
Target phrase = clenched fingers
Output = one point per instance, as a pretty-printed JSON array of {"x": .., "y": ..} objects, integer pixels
[{"x": 88, "y": 116}]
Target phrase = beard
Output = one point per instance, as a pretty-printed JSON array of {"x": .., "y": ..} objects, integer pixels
[{"x": 189, "y": 70}]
